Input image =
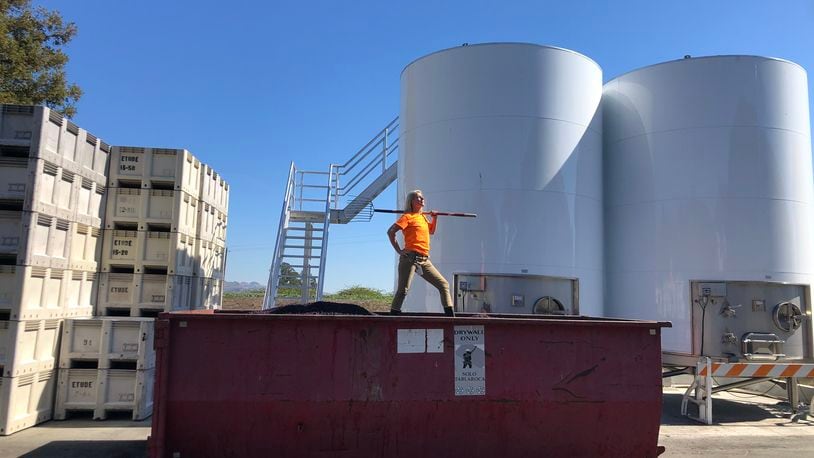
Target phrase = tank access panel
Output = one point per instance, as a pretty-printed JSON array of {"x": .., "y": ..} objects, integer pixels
[
  {"x": 751, "y": 320},
  {"x": 515, "y": 294}
]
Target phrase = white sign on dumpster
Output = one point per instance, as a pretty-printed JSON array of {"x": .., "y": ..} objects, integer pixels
[{"x": 470, "y": 361}]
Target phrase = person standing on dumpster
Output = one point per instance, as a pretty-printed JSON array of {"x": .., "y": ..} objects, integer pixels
[{"x": 417, "y": 229}]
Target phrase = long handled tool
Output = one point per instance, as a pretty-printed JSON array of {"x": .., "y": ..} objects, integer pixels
[{"x": 464, "y": 215}]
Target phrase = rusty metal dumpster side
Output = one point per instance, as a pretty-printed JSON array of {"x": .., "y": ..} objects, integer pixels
[{"x": 255, "y": 385}]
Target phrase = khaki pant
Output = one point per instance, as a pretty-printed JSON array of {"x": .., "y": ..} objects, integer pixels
[{"x": 407, "y": 266}]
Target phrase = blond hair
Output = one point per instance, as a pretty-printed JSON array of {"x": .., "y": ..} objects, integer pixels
[{"x": 408, "y": 203}]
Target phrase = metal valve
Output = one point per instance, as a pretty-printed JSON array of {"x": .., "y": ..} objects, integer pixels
[
  {"x": 787, "y": 316},
  {"x": 728, "y": 311},
  {"x": 729, "y": 338}
]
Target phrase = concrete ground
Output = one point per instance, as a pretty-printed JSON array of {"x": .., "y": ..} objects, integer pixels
[
  {"x": 79, "y": 439},
  {"x": 745, "y": 425}
]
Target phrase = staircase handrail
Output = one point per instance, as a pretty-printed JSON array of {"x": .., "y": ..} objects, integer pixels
[
  {"x": 325, "y": 223},
  {"x": 365, "y": 148},
  {"x": 381, "y": 147},
  {"x": 365, "y": 171},
  {"x": 271, "y": 287}
]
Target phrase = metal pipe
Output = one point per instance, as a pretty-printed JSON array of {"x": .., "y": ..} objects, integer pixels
[{"x": 746, "y": 382}]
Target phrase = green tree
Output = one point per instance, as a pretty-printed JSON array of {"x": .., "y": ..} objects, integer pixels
[
  {"x": 32, "y": 64},
  {"x": 288, "y": 272}
]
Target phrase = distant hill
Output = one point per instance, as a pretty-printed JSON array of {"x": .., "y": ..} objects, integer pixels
[{"x": 238, "y": 286}]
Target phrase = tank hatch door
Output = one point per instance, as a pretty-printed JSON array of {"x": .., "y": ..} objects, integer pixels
[{"x": 547, "y": 305}]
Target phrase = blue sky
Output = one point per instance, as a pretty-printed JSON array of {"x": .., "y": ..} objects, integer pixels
[{"x": 250, "y": 86}]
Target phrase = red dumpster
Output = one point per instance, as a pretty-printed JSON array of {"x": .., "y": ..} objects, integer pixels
[{"x": 231, "y": 384}]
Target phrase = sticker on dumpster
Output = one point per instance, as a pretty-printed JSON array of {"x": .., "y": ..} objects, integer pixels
[
  {"x": 435, "y": 340},
  {"x": 470, "y": 361},
  {"x": 420, "y": 340},
  {"x": 411, "y": 340}
]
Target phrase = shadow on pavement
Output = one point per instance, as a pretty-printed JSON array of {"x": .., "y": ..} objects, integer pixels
[
  {"x": 90, "y": 449},
  {"x": 85, "y": 421},
  {"x": 725, "y": 411}
]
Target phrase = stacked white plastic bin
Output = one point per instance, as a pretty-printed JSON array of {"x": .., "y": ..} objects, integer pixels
[
  {"x": 157, "y": 253},
  {"x": 106, "y": 365},
  {"x": 210, "y": 243},
  {"x": 52, "y": 191}
]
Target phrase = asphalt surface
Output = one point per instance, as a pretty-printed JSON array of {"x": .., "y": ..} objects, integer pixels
[
  {"x": 745, "y": 425},
  {"x": 79, "y": 438}
]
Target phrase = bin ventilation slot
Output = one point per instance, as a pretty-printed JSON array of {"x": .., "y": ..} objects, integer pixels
[
  {"x": 155, "y": 271},
  {"x": 86, "y": 183},
  {"x": 55, "y": 117},
  {"x": 72, "y": 128},
  {"x": 119, "y": 415},
  {"x": 125, "y": 226},
  {"x": 19, "y": 162},
  {"x": 129, "y": 184},
  {"x": 126, "y": 365},
  {"x": 110, "y": 311},
  {"x": 14, "y": 151},
  {"x": 50, "y": 169},
  {"x": 74, "y": 414},
  {"x": 173, "y": 152},
  {"x": 84, "y": 364},
  {"x": 5, "y": 314},
  {"x": 122, "y": 269},
  {"x": 18, "y": 109},
  {"x": 67, "y": 176},
  {"x": 90, "y": 138},
  {"x": 162, "y": 185},
  {"x": 147, "y": 313},
  {"x": 131, "y": 150},
  {"x": 39, "y": 272},
  {"x": 154, "y": 227},
  {"x": 104, "y": 147},
  {"x": 11, "y": 205}
]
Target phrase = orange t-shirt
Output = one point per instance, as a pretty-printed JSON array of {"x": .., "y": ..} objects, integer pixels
[{"x": 416, "y": 230}]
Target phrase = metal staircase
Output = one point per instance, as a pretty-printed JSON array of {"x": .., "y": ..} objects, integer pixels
[{"x": 313, "y": 201}]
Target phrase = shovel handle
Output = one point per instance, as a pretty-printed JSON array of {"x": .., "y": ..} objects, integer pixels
[{"x": 464, "y": 215}]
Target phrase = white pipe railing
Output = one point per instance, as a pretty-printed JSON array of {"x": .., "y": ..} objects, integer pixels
[
  {"x": 271, "y": 286},
  {"x": 324, "y": 249}
]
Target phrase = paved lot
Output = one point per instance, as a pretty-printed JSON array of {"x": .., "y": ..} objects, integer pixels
[
  {"x": 745, "y": 426},
  {"x": 79, "y": 439}
]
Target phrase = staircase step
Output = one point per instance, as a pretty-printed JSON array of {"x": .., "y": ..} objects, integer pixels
[
  {"x": 310, "y": 277},
  {"x": 298, "y": 228},
  {"x": 307, "y": 216}
]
